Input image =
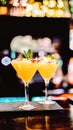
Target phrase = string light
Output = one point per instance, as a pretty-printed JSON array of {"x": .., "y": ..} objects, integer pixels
[{"x": 19, "y": 2}]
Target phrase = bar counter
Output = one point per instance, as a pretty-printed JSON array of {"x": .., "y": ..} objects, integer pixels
[{"x": 57, "y": 117}]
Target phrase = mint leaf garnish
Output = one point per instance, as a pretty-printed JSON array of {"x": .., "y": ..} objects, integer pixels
[
  {"x": 51, "y": 56},
  {"x": 27, "y": 54}
]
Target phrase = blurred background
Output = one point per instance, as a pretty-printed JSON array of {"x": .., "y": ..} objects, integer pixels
[{"x": 46, "y": 27}]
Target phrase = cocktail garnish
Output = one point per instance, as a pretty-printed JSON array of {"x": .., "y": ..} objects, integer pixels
[
  {"x": 51, "y": 56},
  {"x": 27, "y": 54}
]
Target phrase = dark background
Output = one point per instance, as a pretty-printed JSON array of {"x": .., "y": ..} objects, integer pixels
[{"x": 36, "y": 27}]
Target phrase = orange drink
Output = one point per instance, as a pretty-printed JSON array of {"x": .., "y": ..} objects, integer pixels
[
  {"x": 47, "y": 67},
  {"x": 25, "y": 68}
]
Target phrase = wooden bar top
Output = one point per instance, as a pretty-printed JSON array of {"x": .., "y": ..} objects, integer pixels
[{"x": 56, "y": 117}]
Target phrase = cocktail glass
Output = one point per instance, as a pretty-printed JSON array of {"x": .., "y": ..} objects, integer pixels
[
  {"x": 25, "y": 68},
  {"x": 47, "y": 68}
]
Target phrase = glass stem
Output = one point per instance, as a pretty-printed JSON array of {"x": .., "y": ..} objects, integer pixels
[
  {"x": 46, "y": 89},
  {"x": 26, "y": 89}
]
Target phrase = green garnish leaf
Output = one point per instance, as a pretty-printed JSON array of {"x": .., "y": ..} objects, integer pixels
[
  {"x": 51, "y": 56},
  {"x": 27, "y": 54}
]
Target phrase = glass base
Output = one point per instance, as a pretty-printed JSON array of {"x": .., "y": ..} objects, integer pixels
[
  {"x": 49, "y": 102},
  {"x": 27, "y": 107}
]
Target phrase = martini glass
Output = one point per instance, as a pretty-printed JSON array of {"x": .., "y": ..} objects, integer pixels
[
  {"x": 25, "y": 68},
  {"x": 47, "y": 68}
]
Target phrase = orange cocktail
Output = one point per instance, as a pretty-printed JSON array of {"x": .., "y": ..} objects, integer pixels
[
  {"x": 47, "y": 67},
  {"x": 25, "y": 68}
]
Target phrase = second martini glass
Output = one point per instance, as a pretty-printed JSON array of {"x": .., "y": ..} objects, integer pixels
[
  {"x": 47, "y": 67},
  {"x": 25, "y": 68}
]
